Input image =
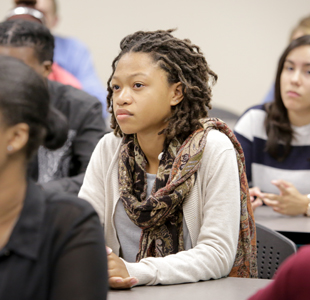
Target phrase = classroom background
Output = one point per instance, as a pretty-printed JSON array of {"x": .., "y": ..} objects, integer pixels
[{"x": 242, "y": 40}]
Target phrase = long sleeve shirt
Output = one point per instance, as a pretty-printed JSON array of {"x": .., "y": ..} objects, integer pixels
[
  {"x": 211, "y": 212},
  {"x": 63, "y": 169}
]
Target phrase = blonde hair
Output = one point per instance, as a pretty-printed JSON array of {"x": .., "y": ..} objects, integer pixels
[{"x": 303, "y": 26}]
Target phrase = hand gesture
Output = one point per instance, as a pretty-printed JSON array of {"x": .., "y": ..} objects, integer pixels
[
  {"x": 255, "y": 192},
  {"x": 289, "y": 201},
  {"x": 118, "y": 275}
]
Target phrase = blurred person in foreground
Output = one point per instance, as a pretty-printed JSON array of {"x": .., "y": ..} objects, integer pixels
[
  {"x": 291, "y": 281},
  {"x": 51, "y": 243}
]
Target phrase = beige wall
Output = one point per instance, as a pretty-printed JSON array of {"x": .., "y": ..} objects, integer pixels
[{"x": 241, "y": 39}]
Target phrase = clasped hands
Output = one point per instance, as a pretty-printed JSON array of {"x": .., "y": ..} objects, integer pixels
[
  {"x": 288, "y": 202},
  {"x": 118, "y": 275}
]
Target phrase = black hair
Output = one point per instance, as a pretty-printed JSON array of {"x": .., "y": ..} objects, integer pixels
[
  {"x": 23, "y": 33},
  {"x": 24, "y": 98},
  {"x": 278, "y": 127},
  {"x": 183, "y": 62}
]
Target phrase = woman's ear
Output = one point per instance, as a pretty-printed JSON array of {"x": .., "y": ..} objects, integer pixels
[
  {"x": 47, "y": 68},
  {"x": 18, "y": 136},
  {"x": 177, "y": 96}
]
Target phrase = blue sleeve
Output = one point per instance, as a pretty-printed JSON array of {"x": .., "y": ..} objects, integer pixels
[{"x": 73, "y": 56}]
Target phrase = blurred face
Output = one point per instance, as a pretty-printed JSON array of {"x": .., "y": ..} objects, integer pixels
[
  {"x": 295, "y": 81},
  {"x": 48, "y": 9},
  {"x": 142, "y": 97},
  {"x": 4, "y": 142},
  {"x": 28, "y": 56}
]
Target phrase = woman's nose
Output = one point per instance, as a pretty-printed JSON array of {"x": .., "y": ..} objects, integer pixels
[
  {"x": 296, "y": 77},
  {"x": 123, "y": 97}
]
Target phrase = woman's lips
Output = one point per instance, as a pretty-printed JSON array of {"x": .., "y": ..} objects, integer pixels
[
  {"x": 122, "y": 114},
  {"x": 293, "y": 94}
]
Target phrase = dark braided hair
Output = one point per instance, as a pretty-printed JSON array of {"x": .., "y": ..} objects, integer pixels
[
  {"x": 183, "y": 62},
  {"x": 23, "y": 33}
]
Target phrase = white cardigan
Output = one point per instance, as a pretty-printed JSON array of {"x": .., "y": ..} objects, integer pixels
[{"x": 211, "y": 212}]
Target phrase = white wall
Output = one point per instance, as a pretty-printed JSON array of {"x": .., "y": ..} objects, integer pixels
[{"x": 241, "y": 39}]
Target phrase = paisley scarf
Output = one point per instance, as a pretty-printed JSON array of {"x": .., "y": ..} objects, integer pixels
[{"x": 160, "y": 216}]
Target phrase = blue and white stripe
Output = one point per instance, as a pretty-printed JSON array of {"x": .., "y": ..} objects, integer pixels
[{"x": 261, "y": 167}]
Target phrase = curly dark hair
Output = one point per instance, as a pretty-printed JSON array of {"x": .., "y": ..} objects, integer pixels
[
  {"x": 278, "y": 127},
  {"x": 183, "y": 62}
]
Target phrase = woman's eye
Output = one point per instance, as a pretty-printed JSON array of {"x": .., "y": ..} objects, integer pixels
[
  {"x": 138, "y": 85},
  {"x": 115, "y": 87},
  {"x": 289, "y": 68}
]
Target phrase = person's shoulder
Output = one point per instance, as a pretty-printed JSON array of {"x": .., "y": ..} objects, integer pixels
[
  {"x": 297, "y": 265},
  {"x": 76, "y": 97},
  {"x": 255, "y": 109},
  {"x": 67, "y": 205},
  {"x": 302, "y": 257},
  {"x": 110, "y": 142},
  {"x": 70, "y": 42},
  {"x": 218, "y": 141},
  {"x": 252, "y": 121}
]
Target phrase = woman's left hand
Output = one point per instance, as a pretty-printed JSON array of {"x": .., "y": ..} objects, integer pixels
[
  {"x": 289, "y": 202},
  {"x": 118, "y": 275}
]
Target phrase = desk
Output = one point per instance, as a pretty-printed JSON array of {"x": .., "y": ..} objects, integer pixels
[
  {"x": 296, "y": 228},
  {"x": 222, "y": 289}
]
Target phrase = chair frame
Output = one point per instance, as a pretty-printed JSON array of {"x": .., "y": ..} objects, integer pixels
[{"x": 272, "y": 249}]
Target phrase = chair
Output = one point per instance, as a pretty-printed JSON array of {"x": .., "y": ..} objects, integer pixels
[
  {"x": 272, "y": 249},
  {"x": 227, "y": 116}
]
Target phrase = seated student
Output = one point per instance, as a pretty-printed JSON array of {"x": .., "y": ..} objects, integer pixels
[
  {"x": 302, "y": 28},
  {"x": 73, "y": 55},
  {"x": 275, "y": 137},
  {"x": 291, "y": 282},
  {"x": 26, "y": 10},
  {"x": 166, "y": 183},
  {"x": 64, "y": 168},
  {"x": 70, "y": 53},
  {"x": 51, "y": 243}
]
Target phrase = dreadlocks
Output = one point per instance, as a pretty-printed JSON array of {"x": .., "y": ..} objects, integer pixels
[{"x": 183, "y": 62}]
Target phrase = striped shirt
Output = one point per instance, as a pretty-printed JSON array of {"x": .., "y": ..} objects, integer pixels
[{"x": 261, "y": 168}]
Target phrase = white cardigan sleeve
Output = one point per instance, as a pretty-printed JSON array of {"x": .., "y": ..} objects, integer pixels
[{"x": 213, "y": 254}]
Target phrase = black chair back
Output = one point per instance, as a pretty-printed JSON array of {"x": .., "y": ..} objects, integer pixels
[
  {"x": 230, "y": 118},
  {"x": 272, "y": 249}
]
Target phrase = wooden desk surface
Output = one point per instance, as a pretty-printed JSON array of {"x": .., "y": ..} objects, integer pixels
[
  {"x": 266, "y": 216},
  {"x": 221, "y": 289}
]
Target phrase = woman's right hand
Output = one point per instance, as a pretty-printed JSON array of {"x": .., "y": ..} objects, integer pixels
[
  {"x": 256, "y": 202},
  {"x": 118, "y": 274}
]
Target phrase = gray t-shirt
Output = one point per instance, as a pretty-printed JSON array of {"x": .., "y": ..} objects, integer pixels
[{"x": 129, "y": 234}]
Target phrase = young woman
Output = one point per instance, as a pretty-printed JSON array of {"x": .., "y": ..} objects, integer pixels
[
  {"x": 276, "y": 137},
  {"x": 166, "y": 183},
  {"x": 51, "y": 244},
  {"x": 302, "y": 28}
]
